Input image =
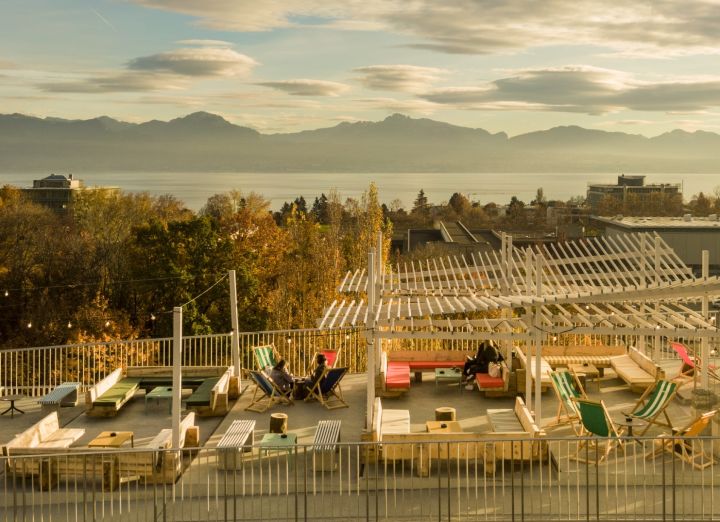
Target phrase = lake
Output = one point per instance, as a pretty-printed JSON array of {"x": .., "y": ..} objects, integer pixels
[{"x": 195, "y": 188}]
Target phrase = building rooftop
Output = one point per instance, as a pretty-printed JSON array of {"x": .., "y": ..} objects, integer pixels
[{"x": 679, "y": 222}]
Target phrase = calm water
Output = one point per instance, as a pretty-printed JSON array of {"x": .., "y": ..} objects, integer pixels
[{"x": 194, "y": 189}]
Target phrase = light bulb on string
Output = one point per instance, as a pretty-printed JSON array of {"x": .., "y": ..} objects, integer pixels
[
  {"x": 7, "y": 293},
  {"x": 29, "y": 325},
  {"x": 289, "y": 340},
  {"x": 152, "y": 317},
  {"x": 107, "y": 323},
  {"x": 69, "y": 324}
]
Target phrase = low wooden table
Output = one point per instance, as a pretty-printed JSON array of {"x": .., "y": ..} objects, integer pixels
[
  {"x": 448, "y": 376},
  {"x": 278, "y": 442},
  {"x": 12, "y": 409},
  {"x": 591, "y": 373},
  {"x": 443, "y": 427},
  {"x": 112, "y": 439},
  {"x": 160, "y": 393}
]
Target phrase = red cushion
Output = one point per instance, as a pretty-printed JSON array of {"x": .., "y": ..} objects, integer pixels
[
  {"x": 431, "y": 365},
  {"x": 484, "y": 381},
  {"x": 398, "y": 375}
]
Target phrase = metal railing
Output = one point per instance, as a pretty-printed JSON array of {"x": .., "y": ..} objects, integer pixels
[
  {"x": 512, "y": 479},
  {"x": 36, "y": 371}
]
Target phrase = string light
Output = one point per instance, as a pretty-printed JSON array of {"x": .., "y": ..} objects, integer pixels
[
  {"x": 29, "y": 325},
  {"x": 7, "y": 293},
  {"x": 107, "y": 323},
  {"x": 69, "y": 324},
  {"x": 152, "y": 317}
]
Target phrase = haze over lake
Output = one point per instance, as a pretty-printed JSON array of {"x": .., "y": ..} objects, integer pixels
[{"x": 195, "y": 188}]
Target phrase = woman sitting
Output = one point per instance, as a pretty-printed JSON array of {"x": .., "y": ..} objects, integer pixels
[
  {"x": 487, "y": 353},
  {"x": 282, "y": 378},
  {"x": 304, "y": 385}
]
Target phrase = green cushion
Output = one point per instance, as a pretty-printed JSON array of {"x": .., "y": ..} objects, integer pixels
[
  {"x": 201, "y": 396},
  {"x": 148, "y": 383},
  {"x": 119, "y": 393}
]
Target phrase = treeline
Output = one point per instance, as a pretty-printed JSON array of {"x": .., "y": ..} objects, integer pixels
[{"x": 114, "y": 265}]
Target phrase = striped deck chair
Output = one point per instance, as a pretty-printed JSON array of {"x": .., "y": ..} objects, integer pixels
[
  {"x": 567, "y": 387},
  {"x": 653, "y": 403},
  {"x": 327, "y": 390},
  {"x": 266, "y": 356},
  {"x": 266, "y": 394},
  {"x": 684, "y": 443},
  {"x": 598, "y": 426}
]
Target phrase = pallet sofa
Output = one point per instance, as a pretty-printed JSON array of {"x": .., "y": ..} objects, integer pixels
[
  {"x": 557, "y": 356},
  {"x": 392, "y": 429},
  {"x": 637, "y": 370},
  {"x": 396, "y": 366},
  {"x": 52, "y": 460},
  {"x": 211, "y": 385},
  {"x": 517, "y": 423},
  {"x": 495, "y": 386},
  {"x": 545, "y": 369}
]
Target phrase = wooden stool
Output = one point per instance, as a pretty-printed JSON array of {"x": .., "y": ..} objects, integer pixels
[
  {"x": 278, "y": 423},
  {"x": 445, "y": 414}
]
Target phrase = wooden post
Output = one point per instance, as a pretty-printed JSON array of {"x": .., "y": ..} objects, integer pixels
[
  {"x": 278, "y": 423},
  {"x": 445, "y": 413},
  {"x": 704, "y": 341},
  {"x": 235, "y": 340},
  {"x": 370, "y": 340},
  {"x": 656, "y": 253},
  {"x": 538, "y": 342},
  {"x": 177, "y": 376}
]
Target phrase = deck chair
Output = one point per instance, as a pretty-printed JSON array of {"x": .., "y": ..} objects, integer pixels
[
  {"x": 598, "y": 426},
  {"x": 266, "y": 394},
  {"x": 327, "y": 390},
  {"x": 330, "y": 356},
  {"x": 653, "y": 403},
  {"x": 266, "y": 356},
  {"x": 567, "y": 387},
  {"x": 683, "y": 443},
  {"x": 690, "y": 364}
]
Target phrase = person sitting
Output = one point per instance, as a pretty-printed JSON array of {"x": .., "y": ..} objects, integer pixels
[
  {"x": 282, "y": 378},
  {"x": 304, "y": 385},
  {"x": 487, "y": 353}
]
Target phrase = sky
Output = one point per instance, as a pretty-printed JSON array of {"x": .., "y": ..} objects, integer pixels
[{"x": 643, "y": 67}]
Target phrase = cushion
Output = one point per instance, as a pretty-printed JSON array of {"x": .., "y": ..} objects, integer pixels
[
  {"x": 503, "y": 421},
  {"x": 395, "y": 421},
  {"x": 484, "y": 381},
  {"x": 201, "y": 396},
  {"x": 119, "y": 393},
  {"x": 398, "y": 375}
]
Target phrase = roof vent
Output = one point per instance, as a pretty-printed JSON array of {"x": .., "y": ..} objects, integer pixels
[{"x": 687, "y": 217}]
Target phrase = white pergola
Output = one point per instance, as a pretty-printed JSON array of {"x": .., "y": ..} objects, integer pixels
[{"x": 628, "y": 286}]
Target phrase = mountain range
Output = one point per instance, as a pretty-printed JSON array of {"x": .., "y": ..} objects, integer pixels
[{"x": 207, "y": 142}]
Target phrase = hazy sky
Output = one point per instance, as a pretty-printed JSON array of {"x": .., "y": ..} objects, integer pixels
[{"x": 284, "y": 65}]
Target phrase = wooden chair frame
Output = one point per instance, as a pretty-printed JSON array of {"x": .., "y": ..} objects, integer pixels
[
  {"x": 648, "y": 395},
  {"x": 682, "y": 443},
  {"x": 327, "y": 390},
  {"x": 613, "y": 440},
  {"x": 568, "y": 417},
  {"x": 270, "y": 394}
]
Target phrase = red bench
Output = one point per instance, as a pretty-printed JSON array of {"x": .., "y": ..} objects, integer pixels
[
  {"x": 397, "y": 365},
  {"x": 397, "y": 376}
]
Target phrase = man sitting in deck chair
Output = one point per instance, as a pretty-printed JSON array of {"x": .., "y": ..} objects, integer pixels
[
  {"x": 303, "y": 386},
  {"x": 683, "y": 443},
  {"x": 654, "y": 402},
  {"x": 596, "y": 423},
  {"x": 327, "y": 390},
  {"x": 266, "y": 394},
  {"x": 567, "y": 388}
]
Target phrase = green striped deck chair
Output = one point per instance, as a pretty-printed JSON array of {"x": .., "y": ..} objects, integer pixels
[
  {"x": 653, "y": 403},
  {"x": 598, "y": 427},
  {"x": 567, "y": 388},
  {"x": 265, "y": 356}
]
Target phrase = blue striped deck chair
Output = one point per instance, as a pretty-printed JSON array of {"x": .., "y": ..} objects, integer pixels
[
  {"x": 567, "y": 388},
  {"x": 653, "y": 403},
  {"x": 597, "y": 427},
  {"x": 266, "y": 356},
  {"x": 266, "y": 394},
  {"x": 327, "y": 390}
]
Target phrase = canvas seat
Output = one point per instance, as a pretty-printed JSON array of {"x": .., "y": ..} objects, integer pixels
[
  {"x": 567, "y": 388},
  {"x": 266, "y": 356},
  {"x": 327, "y": 389},
  {"x": 598, "y": 427},
  {"x": 653, "y": 403},
  {"x": 686, "y": 443},
  {"x": 266, "y": 393}
]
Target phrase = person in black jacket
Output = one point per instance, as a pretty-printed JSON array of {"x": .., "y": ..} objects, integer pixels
[
  {"x": 304, "y": 385},
  {"x": 487, "y": 353}
]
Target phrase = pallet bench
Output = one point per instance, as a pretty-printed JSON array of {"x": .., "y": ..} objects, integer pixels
[
  {"x": 325, "y": 445},
  {"x": 66, "y": 394},
  {"x": 238, "y": 438}
]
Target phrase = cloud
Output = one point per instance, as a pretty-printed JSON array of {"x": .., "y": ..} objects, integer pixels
[
  {"x": 203, "y": 61},
  {"x": 170, "y": 70},
  {"x": 6, "y": 64},
  {"x": 305, "y": 87},
  {"x": 125, "y": 81},
  {"x": 658, "y": 29},
  {"x": 583, "y": 89},
  {"x": 206, "y": 43},
  {"x": 403, "y": 78}
]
